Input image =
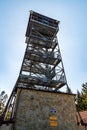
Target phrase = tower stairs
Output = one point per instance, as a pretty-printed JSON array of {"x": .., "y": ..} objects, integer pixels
[{"x": 42, "y": 67}]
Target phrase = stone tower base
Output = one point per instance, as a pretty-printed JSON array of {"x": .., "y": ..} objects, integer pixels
[{"x": 42, "y": 110}]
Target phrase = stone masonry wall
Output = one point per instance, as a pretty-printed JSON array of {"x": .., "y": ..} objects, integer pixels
[
  {"x": 6, "y": 127},
  {"x": 39, "y": 110}
]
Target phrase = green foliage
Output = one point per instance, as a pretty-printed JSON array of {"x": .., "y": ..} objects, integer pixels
[
  {"x": 84, "y": 88},
  {"x": 81, "y": 98},
  {"x": 8, "y": 115},
  {"x": 3, "y": 98}
]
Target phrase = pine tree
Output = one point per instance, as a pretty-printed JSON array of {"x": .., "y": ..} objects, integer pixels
[
  {"x": 84, "y": 88},
  {"x": 81, "y": 98},
  {"x": 3, "y": 98}
]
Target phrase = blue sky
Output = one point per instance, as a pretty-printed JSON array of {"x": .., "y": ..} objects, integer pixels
[{"x": 72, "y": 37}]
